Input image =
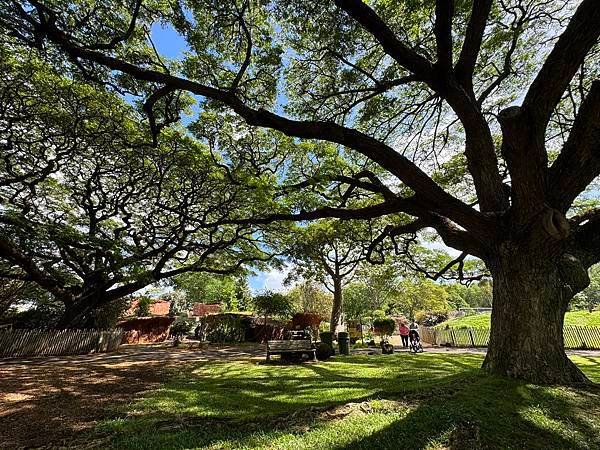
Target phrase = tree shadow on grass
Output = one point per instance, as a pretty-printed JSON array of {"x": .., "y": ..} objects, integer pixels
[
  {"x": 445, "y": 399},
  {"x": 496, "y": 413}
]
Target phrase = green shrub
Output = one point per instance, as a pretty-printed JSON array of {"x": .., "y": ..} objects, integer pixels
[
  {"x": 227, "y": 327},
  {"x": 431, "y": 318},
  {"x": 180, "y": 328},
  {"x": 384, "y": 326}
]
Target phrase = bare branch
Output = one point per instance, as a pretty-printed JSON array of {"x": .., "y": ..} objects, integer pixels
[{"x": 444, "y": 11}]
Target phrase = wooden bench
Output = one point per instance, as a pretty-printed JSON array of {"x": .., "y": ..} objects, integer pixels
[{"x": 295, "y": 347}]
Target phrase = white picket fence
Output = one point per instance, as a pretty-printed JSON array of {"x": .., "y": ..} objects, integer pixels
[
  {"x": 39, "y": 342},
  {"x": 587, "y": 338}
]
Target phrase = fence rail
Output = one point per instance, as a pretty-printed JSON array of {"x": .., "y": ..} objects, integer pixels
[
  {"x": 586, "y": 338},
  {"x": 19, "y": 343}
]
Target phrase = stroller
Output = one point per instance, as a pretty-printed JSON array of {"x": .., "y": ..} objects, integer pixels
[{"x": 415, "y": 342}]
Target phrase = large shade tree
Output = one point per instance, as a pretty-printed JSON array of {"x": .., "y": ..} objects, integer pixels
[
  {"x": 478, "y": 119},
  {"x": 90, "y": 211}
]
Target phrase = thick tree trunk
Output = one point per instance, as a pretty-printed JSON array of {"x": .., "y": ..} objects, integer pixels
[
  {"x": 530, "y": 301},
  {"x": 73, "y": 317},
  {"x": 336, "y": 309},
  {"x": 79, "y": 311}
]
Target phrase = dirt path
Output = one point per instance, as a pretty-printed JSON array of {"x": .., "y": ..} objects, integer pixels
[{"x": 49, "y": 401}]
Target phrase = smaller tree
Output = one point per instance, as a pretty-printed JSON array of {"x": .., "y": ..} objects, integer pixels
[
  {"x": 229, "y": 291},
  {"x": 329, "y": 252},
  {"x": 143, "y": 306},
  {"x": 307, "y": 296},
  {"x": 273, "y": 304},
  {"x": 589, "y": 298},
  {"x": 420, "y": 294},
  {"x": 357, "y": 303}
]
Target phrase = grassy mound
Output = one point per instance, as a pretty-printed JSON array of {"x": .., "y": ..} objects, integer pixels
[
  {"x": 426, "y": 401},
  {"x": 577, "y": 318}
]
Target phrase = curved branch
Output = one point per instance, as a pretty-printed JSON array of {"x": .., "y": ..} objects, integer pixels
[
  {"x": 148, "y": 107},
  {"x": 566, "y": 57},
  {"x": 123, "y": 36},
  {"x": 370, "y": 21},
  {"x": 12, "y": 253},
  {"x": 579, "y": 161}
]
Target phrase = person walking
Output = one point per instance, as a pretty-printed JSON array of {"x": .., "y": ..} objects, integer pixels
[
  {"x": 404, "y": 334},
  {"x": 413, "y": 333}
]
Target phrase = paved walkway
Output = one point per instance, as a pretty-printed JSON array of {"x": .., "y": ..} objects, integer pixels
[{"x": 162, "y": 353}]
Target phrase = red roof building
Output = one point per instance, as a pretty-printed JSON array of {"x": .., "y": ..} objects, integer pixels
[
  {"x": 157, "y": 308},
  {"x": 202, "y": 309}
]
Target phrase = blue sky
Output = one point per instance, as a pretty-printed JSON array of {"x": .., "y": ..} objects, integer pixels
[{"x": 168, "y": 42}]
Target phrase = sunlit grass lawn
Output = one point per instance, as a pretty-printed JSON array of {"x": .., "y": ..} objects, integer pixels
[
  {"x": 400, "y": 401},
  {"x": 577, "y": 318}
]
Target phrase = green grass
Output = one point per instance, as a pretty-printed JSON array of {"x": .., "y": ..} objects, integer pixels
[
  {"x": 583, "y": 318},
  {"x": 578, "y": 318},
  {"x": 425, "y": 401}
]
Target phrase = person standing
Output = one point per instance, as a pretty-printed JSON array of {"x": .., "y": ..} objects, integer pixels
[{"x": 404, "y": 334}]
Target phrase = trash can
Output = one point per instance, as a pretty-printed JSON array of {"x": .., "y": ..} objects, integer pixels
[
  {"x": 344, "y": 343},
  {"x": 327, "y": 337}
]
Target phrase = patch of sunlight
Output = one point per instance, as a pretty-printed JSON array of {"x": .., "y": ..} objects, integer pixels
[
  {"x": 333, "y": 434},
  {"x": 589, "y": 365},
  {"x": 540, "y": 417}
]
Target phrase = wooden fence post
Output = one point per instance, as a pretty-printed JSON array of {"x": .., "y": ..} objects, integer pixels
[{"x": 471, "y": 336}]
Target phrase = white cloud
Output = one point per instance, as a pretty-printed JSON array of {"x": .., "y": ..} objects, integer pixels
[{"x": 273, "y": 280}]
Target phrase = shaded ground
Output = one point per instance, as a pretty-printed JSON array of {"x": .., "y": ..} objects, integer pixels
[{"x": 51, "y": 401}]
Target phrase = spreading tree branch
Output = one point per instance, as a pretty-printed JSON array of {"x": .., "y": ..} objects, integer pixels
[
  {"x": 430, "y": 194},
  {"x": 561, "y": 65},
  {"x": 579, "y": 161},
  {"x": 465, "y": 66},
  {"x": 444, "y": 11}
]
